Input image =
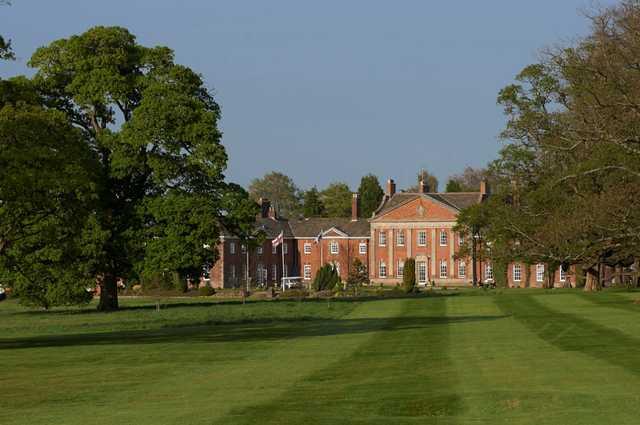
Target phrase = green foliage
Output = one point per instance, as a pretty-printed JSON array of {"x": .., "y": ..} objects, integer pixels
[
  {"x": 430, "y": 181},
  {"x": 206, "y": 291},
  {"x": 280, "y": 190},
  {"x": 336, "y": 199},
  {"x": 161, "y": 191},
  {"x": 179, "y": 282},
  {"x": 358, "y": 274},
  {"x": 454, "y": 186},
  {"x": 409, "y": 275},
  {"x": 312, "y": 205},
  {"x": 46, "y": 188},
  {"x": 326, "y": 278},
  {"x": 297, "y": 294},
  {"x": 370, "y": 193}
]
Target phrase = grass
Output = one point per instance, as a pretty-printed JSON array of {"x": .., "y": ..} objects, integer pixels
[{"x": 512, "y": 357}]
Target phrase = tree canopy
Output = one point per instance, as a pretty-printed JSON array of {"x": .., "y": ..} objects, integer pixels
[
  {"x": 149, "y": 131},
  {"x": 312, "y": 205},
  {"x": 280, "y": 190},
  {"x": 336, "y": 199},
  {"x": 429, "y": 180},
  {"x": 370, "y": 193}
]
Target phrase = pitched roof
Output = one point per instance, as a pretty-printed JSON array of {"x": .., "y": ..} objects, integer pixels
[
  {"x": 455, "y": 200},
  {"x": 311, "y": 227}
]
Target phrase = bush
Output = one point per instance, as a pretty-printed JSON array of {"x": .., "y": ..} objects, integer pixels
[
  {"x": 206, "y": 291},
  {"x": 179, "y": 282},
  {"x": 294, "y": 294},
  {"x": 358, "y": 274},
  {"x": 326, "y": 279},
  {"x": 409, "y": 275}
]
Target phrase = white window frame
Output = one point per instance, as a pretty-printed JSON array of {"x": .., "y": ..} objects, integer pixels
[
  {"x": 243, "y": 248},
  {"x": 363, "y": 248},
  {"x": 334, "y": 247},
  {"x": 460, "y": 239},
  {"x": 382, "y": 270},
  {"x": 260, "y": 274},
  {"x": 232, "y": 247},
  {"x": 307, "y": 248},
  {"x": 444, "y": 269},
  {"x": 274, "y": 272},
  {"x": 307, "y": 272},
  {"x": 259, "y": 250},
  {"x": 488, "y": 271},
  {"x": 422, "y": 238},
  {"x": 233, "y": 271},
  {"x": 539, "y": 273},
  {"x": 517, "y": 273},
  {"x": 462, "y": 269},
  {"x": 382, "y": 238},
  {"x": 562, "y": 275},
  {"x": 400, "y": 268},
  {"x": 274, "y": 249},
  {"x": 400, "y": 238},
  {"x": 421, "y": 267},
  {"x": 444, "y": 238},
  {"x": 285, "y": 248}
]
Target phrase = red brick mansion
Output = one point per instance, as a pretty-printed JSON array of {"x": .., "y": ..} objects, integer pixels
[{"x": 406, "y": 225}]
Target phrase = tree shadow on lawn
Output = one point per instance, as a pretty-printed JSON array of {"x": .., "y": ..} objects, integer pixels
[
  {"x": 255, "y": 330},
  {"x": 150, "y": 304}
]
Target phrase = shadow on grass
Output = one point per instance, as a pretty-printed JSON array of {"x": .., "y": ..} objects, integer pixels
[
  {"x": 573, "y": 333},
  {"x": 147, "y": 303},
  {"x": 255, "y": 330}
]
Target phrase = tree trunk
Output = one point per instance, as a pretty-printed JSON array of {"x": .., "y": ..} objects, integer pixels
[
  {"x": 592, "y": 281},
  {"x": 108, "y": 293}
]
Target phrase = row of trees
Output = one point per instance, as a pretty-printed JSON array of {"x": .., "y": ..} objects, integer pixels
[
  {"x": 567, "y": 182},
  {"x": 111, "y": 166},
  {"x": 335, "y": 199}
]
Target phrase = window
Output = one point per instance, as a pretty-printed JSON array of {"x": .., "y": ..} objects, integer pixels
[
  {"x": 517, "y": 272},
  {"x": 260, "y": 274},
  {"x": 400, "y": 238},
  {"x": 488, "y": 272},
  {"x": 363, "y": 248},
  {"x": 422, "y": 238},
  {"x": 264, "y": 275},
  {"x": 539, "y": 272},
  {"x": 461, "y": 239},
  {"x": 233, "y": 271},
  {"x": 333, "y": 247},
  {"x": 382, "y": 238},
  {"x": 443, "y": 269},
  {"x": 400, "y": 268},
  {"x": 274, "y": 272},
  {"x": 422, "y": 272},
  {"x": 307, "y": 248},
  {"x": 443, "y": 238},
  {"x": 243, "y": 248},
  {"x": 563, "y": 275},
  {"x": 274, "y": 249},
  {"x": 232, "y": 248},
  {"x": 307, "y": 272},
  {"x": 259, "y": 250},
  {"x": 382, "y": 271},
  {"x": 462, "y": 269},
  {"x": 285, "y": 248}
]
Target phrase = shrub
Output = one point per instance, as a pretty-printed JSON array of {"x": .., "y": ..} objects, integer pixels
[
  {"x": 206, "y": 291},
  {"x": 326, "y": 278},
  {"x": 409, "y": 275},
  {"x": 294, "y": 294},
  {"x": 358, "y": 274},
  {"x": 179, "y": 282}
]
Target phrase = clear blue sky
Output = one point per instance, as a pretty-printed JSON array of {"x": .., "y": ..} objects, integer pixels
[{"x": 331, "y": 90}]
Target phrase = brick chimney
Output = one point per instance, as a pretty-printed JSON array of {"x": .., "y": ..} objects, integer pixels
[
  {"x": 355, "y": 207},
  {"x": 265, "y": 206},
  {"x": 423, "y": 187},
  {"x": 391, "y": 188},
  {"x": 484, "y": 188}
]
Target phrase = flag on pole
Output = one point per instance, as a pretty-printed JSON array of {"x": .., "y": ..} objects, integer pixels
[
  {"x": 317, "y": 239},
  {"x": 278, "y": 240}
]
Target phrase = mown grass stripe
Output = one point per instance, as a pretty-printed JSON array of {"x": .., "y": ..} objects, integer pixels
[{"x": 569, "y": 332}]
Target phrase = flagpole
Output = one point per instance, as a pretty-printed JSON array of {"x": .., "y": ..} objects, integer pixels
[
  {"x": 320, "y": 241},
  {"x": 282, "y": 251}
]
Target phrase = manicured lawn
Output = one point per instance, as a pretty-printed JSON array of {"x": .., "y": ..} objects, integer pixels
[{"x": 516, "y": 357}]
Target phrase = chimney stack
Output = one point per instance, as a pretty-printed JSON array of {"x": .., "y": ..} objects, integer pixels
[
  {"x": 484, "y": 188},
  {"x": 391, "y": 188},
  {"x": 355, "y": 207},
  {"x": 423, "y": 187},
  {"x": 265, "y": 206}
]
